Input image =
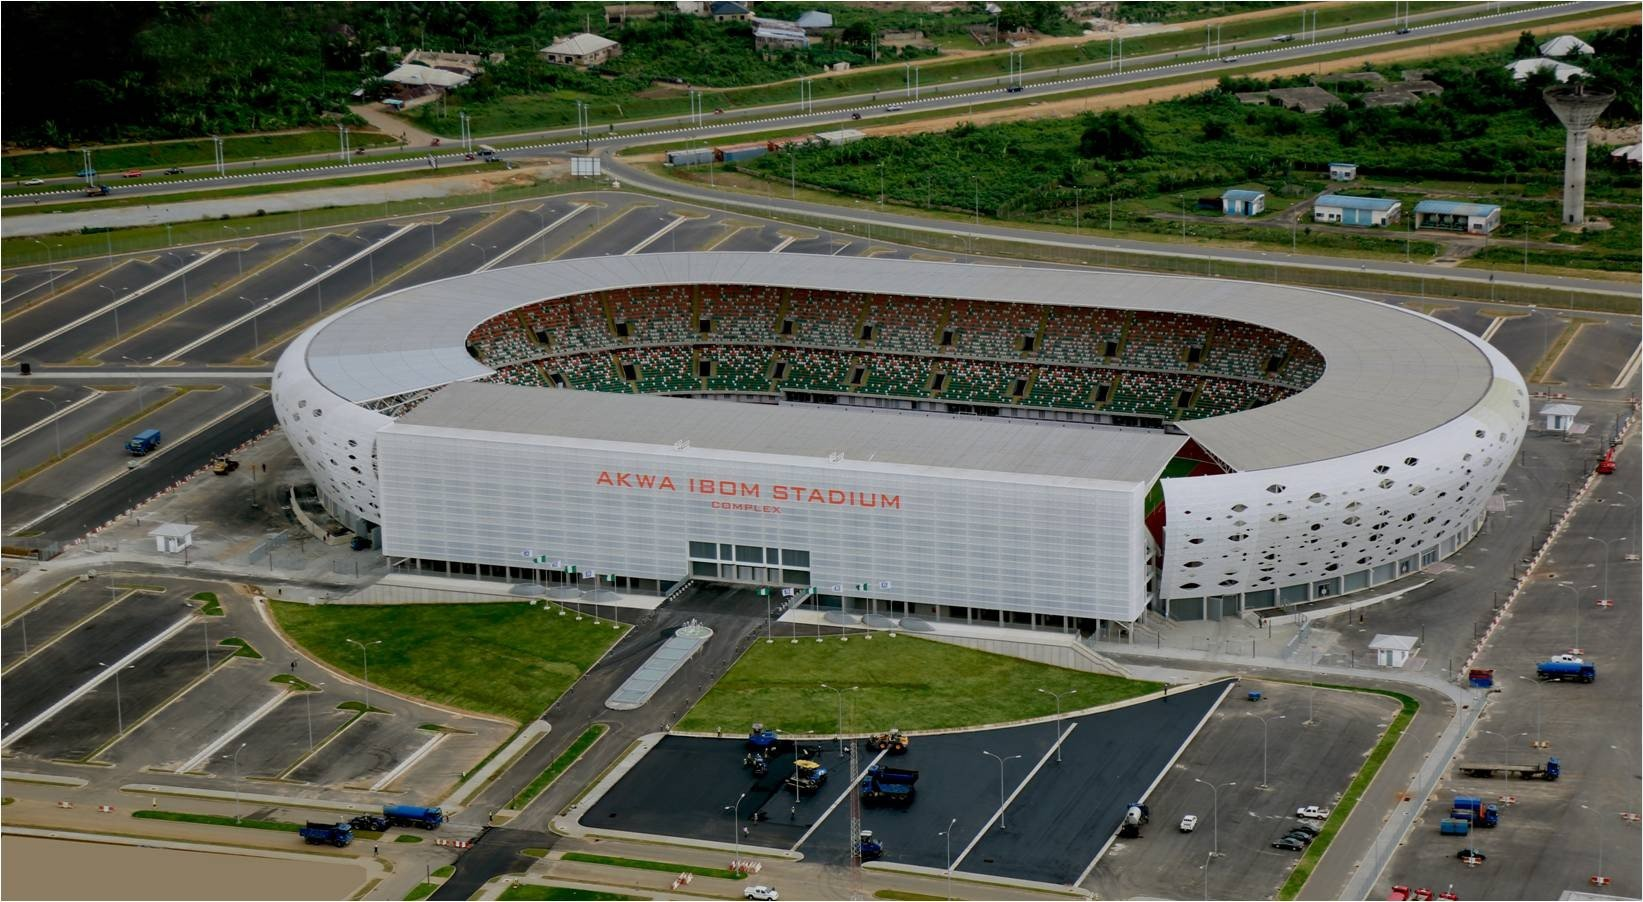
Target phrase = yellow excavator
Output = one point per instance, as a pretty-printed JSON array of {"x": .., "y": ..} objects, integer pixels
[{"x": 895, "y": 742}]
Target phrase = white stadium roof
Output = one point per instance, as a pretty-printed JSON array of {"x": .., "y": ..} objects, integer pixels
[
  {"x": 902, "y": 441},
  {"x": 1390, "y": 374}
]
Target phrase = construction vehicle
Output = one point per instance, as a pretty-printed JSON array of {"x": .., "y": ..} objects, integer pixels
[
  {"x": 1551, "y": 770},
  {"x": 222, "y": 466},
  {"x": 413, "y": 816},
  {"x": 1400, "y": 893},
  {"x": 888, "y": 786},
  {"x": 808, "y": 776},
  {"x": 759, "y": 763},
  {"x": 869, "y": 848},
  {"x": 97, "y": 191},
  {"x": 1565, "y": 670},
  {"x": 373, "y": 822},
  {"x": 895, "y": 742},
  {"x": 318, "y": 834},
  {"x": 1480, "y": 814},
  {"x": 761, "y": 740},
  {"x": 1605, "y": 466},
  {"x": 1136, "y": 816},
  {"x": 143, "y": 442},
  {"x": 1454, "y": 826}
]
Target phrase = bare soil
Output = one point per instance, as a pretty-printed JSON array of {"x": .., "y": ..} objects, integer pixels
[{"x": 56, "y": 869}]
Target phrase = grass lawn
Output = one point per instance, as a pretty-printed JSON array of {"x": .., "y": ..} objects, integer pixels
[
  {"x": 913, "y": 684},
  {"x": 565, "y": 760},
  {"x": 648, "y": 865},
  {"x": 444, "y": 871},
  {"x": 511, "y": 660},
  {"x": 112, "y": 160},
  {"x": 216, "y": 820},
  {"x": 420, "y": 891},
  {"x": 902, "y": 894},
  {"x": 530, "y": 892},
  {"x": 212, "y": 607}
]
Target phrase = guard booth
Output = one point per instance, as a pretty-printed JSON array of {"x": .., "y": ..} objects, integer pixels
[{"x": 172, "y": 538}]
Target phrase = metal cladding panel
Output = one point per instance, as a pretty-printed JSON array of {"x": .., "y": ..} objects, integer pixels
[
  {"x": 1042, "y": 546},
  {"x": 1300, "y": 525}
]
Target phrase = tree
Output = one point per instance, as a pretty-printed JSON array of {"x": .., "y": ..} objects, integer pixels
[
  {"x": 1112, "y": 136},
  {"x": 1527, "y": 47}
]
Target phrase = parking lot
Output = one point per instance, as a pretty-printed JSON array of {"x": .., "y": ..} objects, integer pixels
[
  {"x": 1060, "y": 814},
  {"x": 186, "y": 704}
]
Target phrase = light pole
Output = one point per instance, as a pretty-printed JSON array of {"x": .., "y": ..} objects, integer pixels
[
  {"x": 1606, "y": 544},
  {"x": 236, "y": 757},
  {"x": 119, "y": 713},
  {"x": 239, "y": 252},
  {"x": 948, "y": 834},
  {"x": 1001, "y": 761},
  {"x": 319, "y": 288},
  {"x": 484, "y": 258},
  {"x": 1058, "y": 718},
  {"x": 841, "y": 712},
  {"x": 1263, "y": 720},
  {"x": 256, "y": 339},
  {"x": 113, "y": 307},
  {"x": 1537, "y": 684},
  {"x": 308, "y": 706},
  {"x": 365, "y": 656},
  {"x": 1215, "y": 814},
  {"x": 56, "y": 428},
  {"x": 1207, "y": 859},
  {"x": 370, "y": 259},
  {"x": 183, "y": 271},
  {"x": 736, "y": 827},
  {"x": 1506, "y": 749},
  {"x": 51, "y": 268},
  {"x": 1576, "y": 590}
]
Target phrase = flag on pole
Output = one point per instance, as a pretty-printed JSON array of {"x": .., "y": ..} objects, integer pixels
[
  {"x": 764, "y": 591},
  {"x": 527, "y": 553},
  {"x": 540, "y": 559},
  {"x": 863, "y": 587},
  {"x": 787, "y": 593},
  {"x": 836, "y": 588},
  {"x": 884, "y": 584}
]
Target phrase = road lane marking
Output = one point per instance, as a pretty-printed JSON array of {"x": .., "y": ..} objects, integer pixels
[
  {"x": 116, "y": 303},
  {"x": 1025, "y": 782},
  {"x": 783, "y": 246},
  {"x": 535, "y": 237},
  {"x": 61, "y": 411},
  {"x": 245, "y": 724},
  {"x": 409, "y": 762},
  {"x": 654, "y": 236}
]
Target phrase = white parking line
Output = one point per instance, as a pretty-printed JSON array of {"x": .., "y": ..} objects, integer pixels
[
  {"x": 494, "y": 261},
  {"x": 96, "y": 680},
  {"x": 854, "y": 782},
  {"x": 1494, "y": 327},
  {"x": 780, "y": 247},
  {"x": 61, "y": 412},
  {"x": 841, "y": 248},
  {"x": 654, "y": 236},
  {"x": 304, "y": 286},
  {"x": 59, "y": 274},
  {"x": 1025, "y": 782},
  {"x": 409, "y": 762},
  {"x": 245, "y": 724},
  {"x": 115, "y": 304},
  {"x": 1629, "y": 370}
]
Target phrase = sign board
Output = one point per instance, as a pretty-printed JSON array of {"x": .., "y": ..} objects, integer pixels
[{"x": 584, "y": 166}]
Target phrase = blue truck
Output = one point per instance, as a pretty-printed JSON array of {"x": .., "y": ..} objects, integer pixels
[
  {"x": 1566, "y": 670},
  {"x": 413, "y": 816},
  {"x": 318, "y": 834},
  {"x": 1551, "y": 770},
  {"x": 1475, "y": 810},
  {"x": 888, "y": 786},
  {"x": 1454, "y": 826},
  {"x": 143, "y": 442}
]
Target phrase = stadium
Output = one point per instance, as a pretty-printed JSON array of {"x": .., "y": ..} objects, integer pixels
[{"x": 994, "y": 444}]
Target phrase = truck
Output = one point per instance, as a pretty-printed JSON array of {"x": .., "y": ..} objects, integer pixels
[
  {"x": 413, "y": 816},
  {"x": 1551, "y": 770},
  {"x": 1565, "y": 670},
  {"x": 883, "y": 785},
  {"x": 869, "y": 848},
  {"x": 1454, "y": 826},
  {"x": 316, "y": 833},
  {"x": 895, "y": 742},
  {"x": 1480, "y": 814},
  {"x": 761, "y": 740},
  {"x": 807, "y": 776},
  {"x": 222, "y": 466},
  {"x": 97, "y": 191},
  {"x": 143, "y": 442},
  {"x": 1136, "y": 816},
  {"x": 1605, "y": 467}
]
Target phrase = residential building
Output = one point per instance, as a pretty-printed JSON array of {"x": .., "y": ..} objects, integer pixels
[
  {"x": 1457, "y": 216},
  {"x": 1522, "y": 69},
  {"x": 426, "y": 77},
  {"x": 729, "y": 12},
  {"x": 581, "y": 50},
  {"x": 1239, "y": 202},
  {"x": 815, "y": 20},
  {"x": 1565, "y": 45},
  {"x": 778, "y": 34},
  {"x": 1359, "y": 211},
  {"x": 1343, "y": 172}
]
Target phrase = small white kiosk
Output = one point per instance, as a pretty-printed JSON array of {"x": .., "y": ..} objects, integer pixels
[
  {"x": 1392, "y": 651},
  {"x": 173, "y": 537}
]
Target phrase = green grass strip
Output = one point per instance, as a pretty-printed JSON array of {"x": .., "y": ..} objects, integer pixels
[
  {"x": 531, "y": 892},
  {"x": 212, "y": 607},
  {"x": 444, "y": 871},
  {"x": 646, "y": 865},
  {"x": 420, "y": 891},
  {"x": 901, "y": 894},
  {"x": 407, "y": 838},
  {"x": 216, "y": 820},
  {"x": 559, "y": 765},
  {"x": 244, "y": 649},
  {"x": 1354, "y": 792}
]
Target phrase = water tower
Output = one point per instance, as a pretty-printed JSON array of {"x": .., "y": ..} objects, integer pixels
[{"x": 1577, "y": 107}]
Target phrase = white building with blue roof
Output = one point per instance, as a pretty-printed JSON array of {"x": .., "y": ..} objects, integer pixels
[
  {"x": 1457, "y": 216},
  {"x": 1358, "y": 211},
  {"x": 1242, "y": 202}
]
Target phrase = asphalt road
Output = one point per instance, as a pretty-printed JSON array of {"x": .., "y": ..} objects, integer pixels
[
  {"x": 280, "y": 738},
  {"x": 24, "y": 409},
  {"x": 47, "y": 621},
  {"x": 372, "y": 747}
]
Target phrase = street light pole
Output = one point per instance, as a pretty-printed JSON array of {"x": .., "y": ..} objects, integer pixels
[
  {"x": 237, "y": 782},
  {"x": 1058, "y": 718},
  {"x": 948, "y": 833},
  {"x": 256, "y": 339},
  {"x": 1215, "y": 814},
  {"x": 1001, "y": 761},
  {"x": 319, "y": 288},
  {"x": 51, "y": 268},
  {"x": 308, "y": 705},
  {"x": 1576, "y": 590},
  {"x": 56, "y": 428},
  {"x": 366, "y": 657},
  {"x": 840, "y": 693},
  {"x": 1606, "y": 544},
  {"x": 736, "y": 827},
  {"x": 1263, "y": 720}
]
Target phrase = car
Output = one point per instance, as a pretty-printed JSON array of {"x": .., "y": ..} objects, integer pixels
[
  {"x": 1308, "y": 829},
  {"x": 1298, "y": 836},
  {"x": 1404, "y": 30},
  {"x": 1229, "y": 59},
  {"x": 86, "y": 173},
  {"x": 1189, "y": 823},
  {"x": 892, "y": 109},
  {"x": 1312, "y": 812},
  {"x": 1568, "y": 659},
  {"x": 35, "y": 182},
  {"x": 762, "y": 893},
  {"x": 1288, "y": 844},
  {"x": 1465, "y": 854},
  {"x": 1283, "y": 38},
  {"x": 133, "y": 174},
  {"x": 1013, "y": 89},
  {"x": 175, "y": 170}
]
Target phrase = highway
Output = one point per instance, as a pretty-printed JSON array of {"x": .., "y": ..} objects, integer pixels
[{"x": 840, "y": 110}]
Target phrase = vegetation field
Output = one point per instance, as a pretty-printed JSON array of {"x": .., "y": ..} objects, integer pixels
[
  {"x": 559, "y": 766},
  {"x": 111, "y": 161},
  {"x": 511, "y": 660},
  {"x": 913, "y": 684}
]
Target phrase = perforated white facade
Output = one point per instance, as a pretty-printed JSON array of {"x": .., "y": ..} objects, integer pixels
[{"x": 1379, "y": 468}]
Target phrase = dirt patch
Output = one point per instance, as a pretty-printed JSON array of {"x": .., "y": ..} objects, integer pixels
[
  {"x": 53, "y": 869},
  {"x": 1056, "y": 109}
]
